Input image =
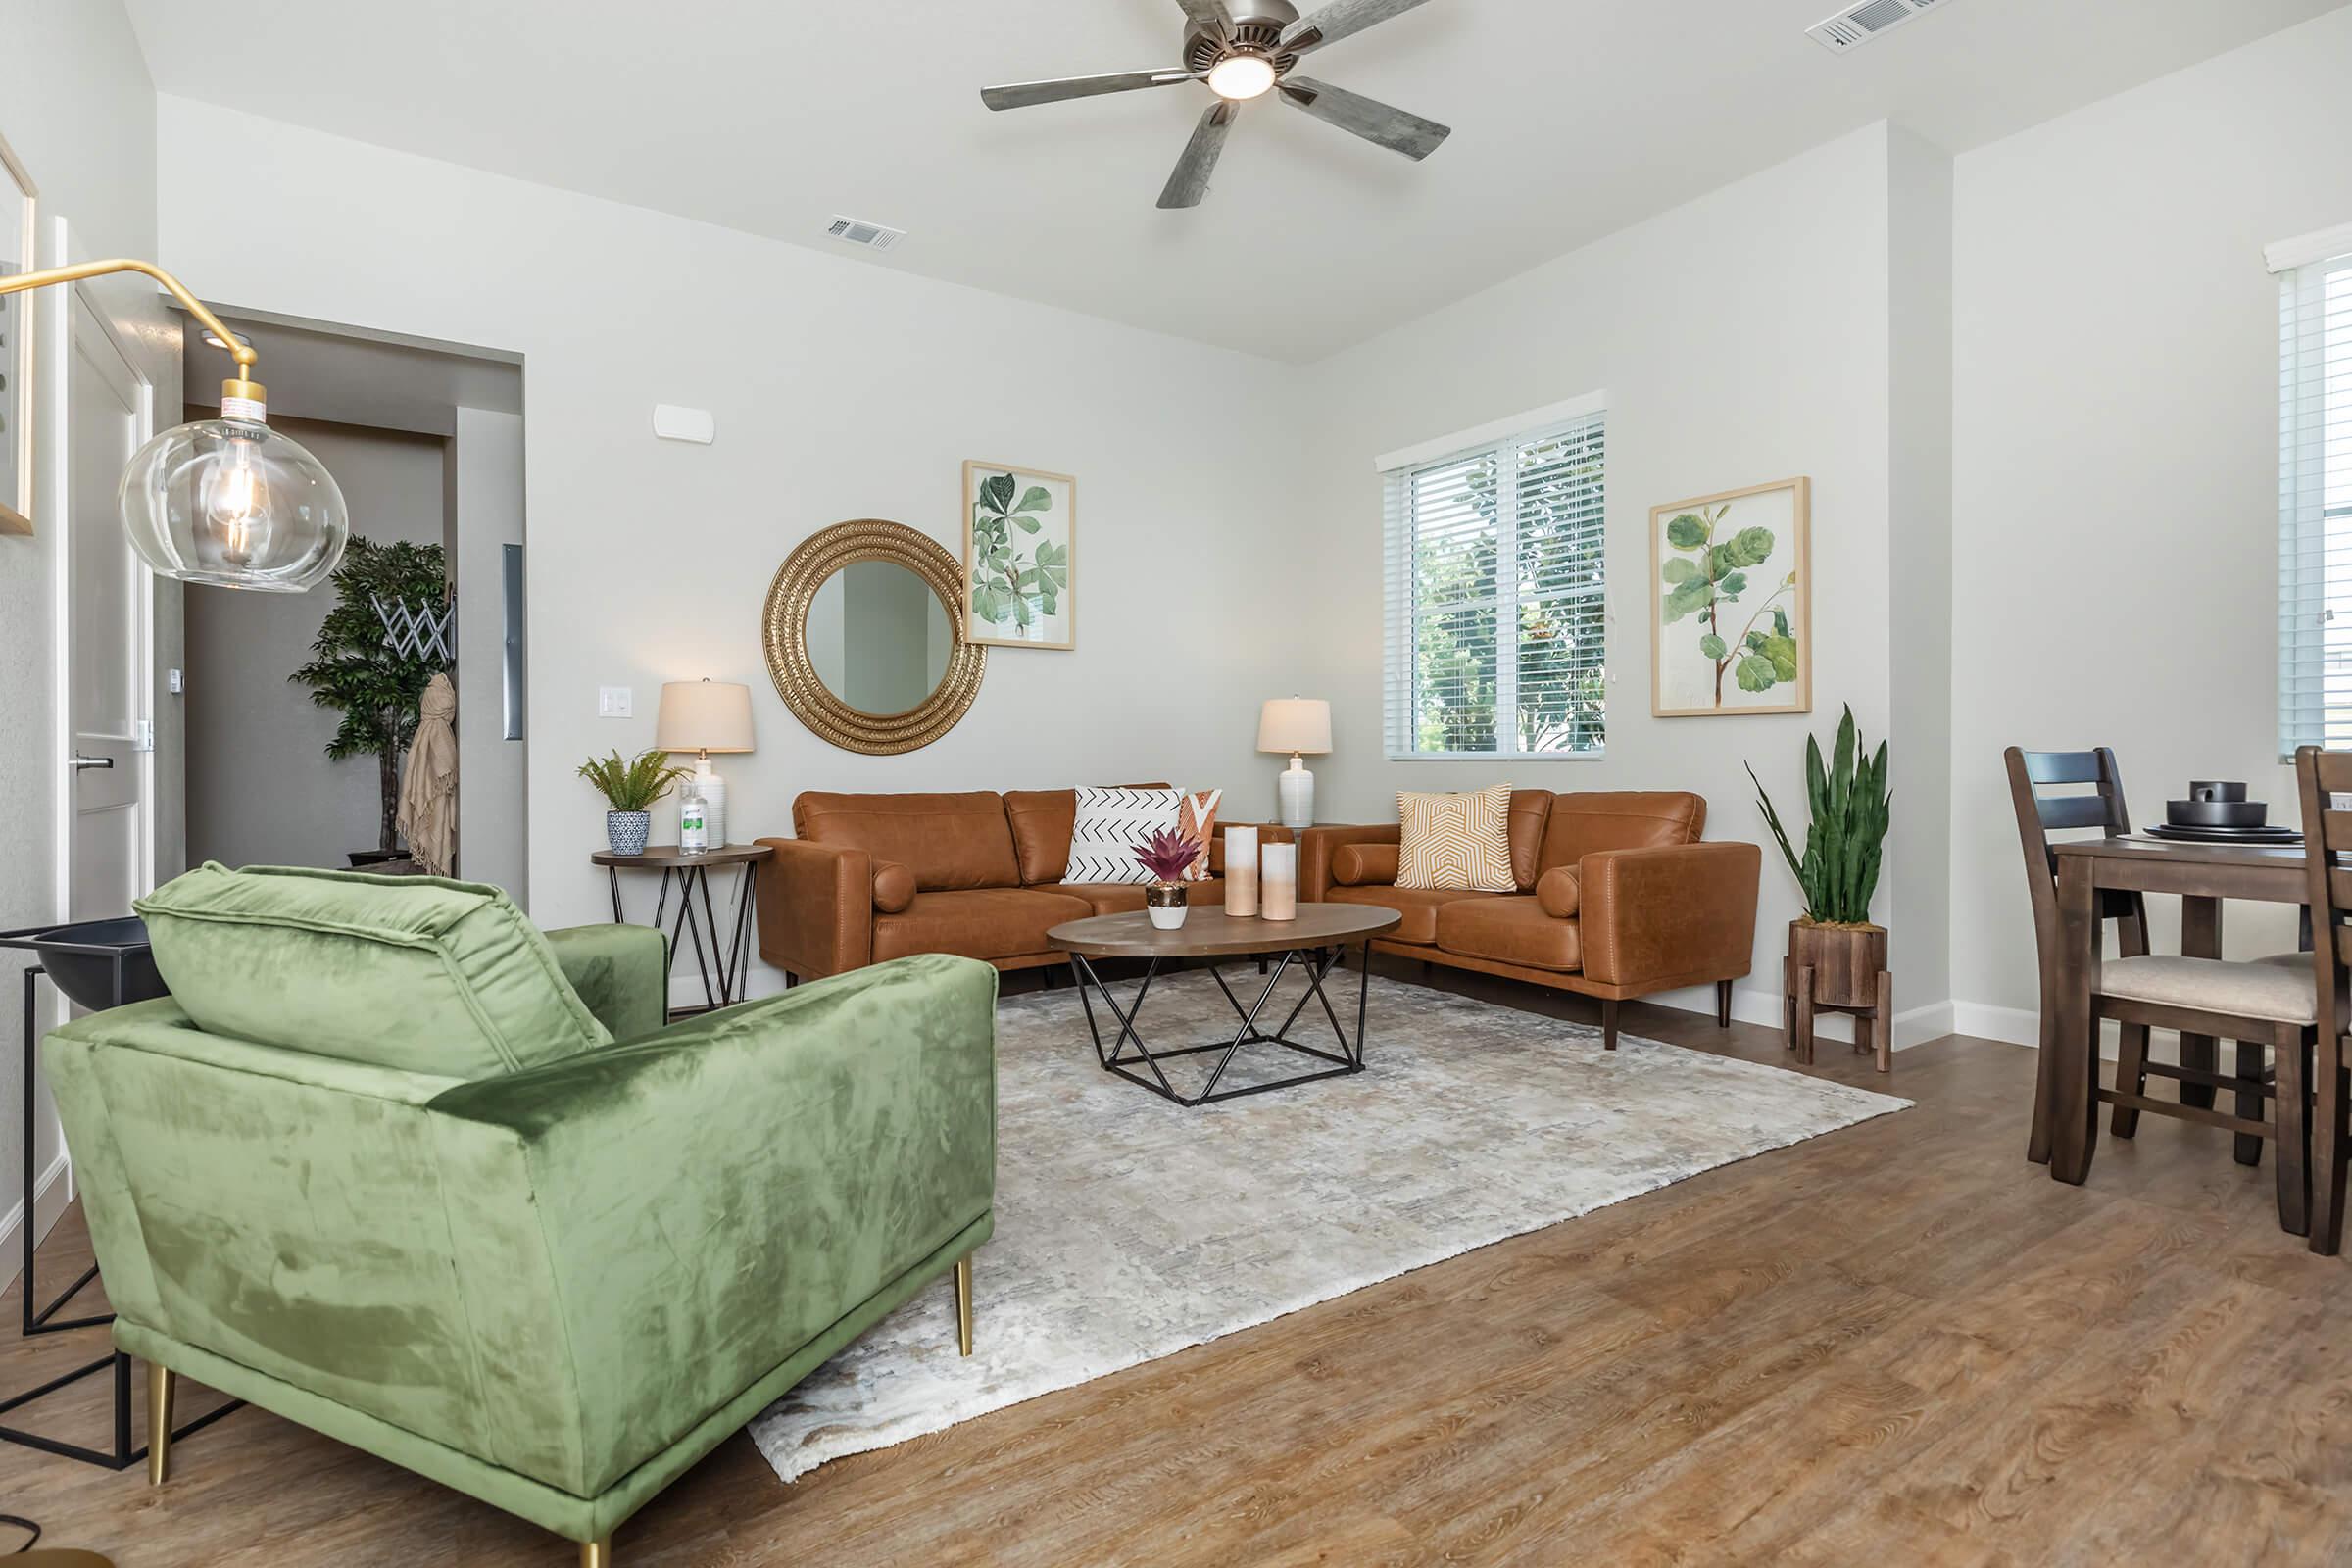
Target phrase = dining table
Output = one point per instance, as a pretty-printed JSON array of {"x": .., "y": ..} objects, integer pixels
[{"x": 2203, "y": 875}]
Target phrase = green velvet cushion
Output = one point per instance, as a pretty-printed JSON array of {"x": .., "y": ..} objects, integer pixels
[
  {"x": 413, "y": 973},
  {"x": 621, "y": 972}
]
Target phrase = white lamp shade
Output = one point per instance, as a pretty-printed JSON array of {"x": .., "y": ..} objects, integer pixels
[
  {"x": 1295, "y": 724},
  {"x": 704, "y": 715}
]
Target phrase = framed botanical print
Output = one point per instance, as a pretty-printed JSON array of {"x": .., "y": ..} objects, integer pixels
[
  {"x": 1731, "y": 623},
  {"x": 16, "y": 348},
  {"x": 1020, "y": 528}
]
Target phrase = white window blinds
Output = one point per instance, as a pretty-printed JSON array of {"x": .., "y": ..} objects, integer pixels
[
  {"x": 2315, "y": 505},
  {"x": 1496, "y": 616}
]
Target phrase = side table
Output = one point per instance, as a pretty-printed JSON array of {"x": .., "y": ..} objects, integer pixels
[{"x": 690, "y": 874}]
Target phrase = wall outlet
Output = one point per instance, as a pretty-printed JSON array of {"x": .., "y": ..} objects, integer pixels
[
  {"x": 616, "y": 701},
  {"x": 173, "y": 680}
]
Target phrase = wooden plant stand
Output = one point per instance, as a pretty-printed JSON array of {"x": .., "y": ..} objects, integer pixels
[{"x": 1838, "y": 969}]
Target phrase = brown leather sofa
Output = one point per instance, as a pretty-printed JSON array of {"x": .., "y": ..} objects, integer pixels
[
  {"x": 1616, "y": 898},
  {"x": 875, "y": 877}
]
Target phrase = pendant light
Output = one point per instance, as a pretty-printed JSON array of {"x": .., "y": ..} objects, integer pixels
[{"x": 228, "y": 500}]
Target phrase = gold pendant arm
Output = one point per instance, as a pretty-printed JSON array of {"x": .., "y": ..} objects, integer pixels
[{"x": 17, "y": 282}]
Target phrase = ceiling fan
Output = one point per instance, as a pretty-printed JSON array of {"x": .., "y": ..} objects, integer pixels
[{"x": 1243, "y": 49}]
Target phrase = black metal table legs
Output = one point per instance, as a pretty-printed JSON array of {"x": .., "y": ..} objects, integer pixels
[
  {"x": 730, "y": 965},
  {"x": 44, "y": 1319},
  {"x": 1128, "y": 1050}
]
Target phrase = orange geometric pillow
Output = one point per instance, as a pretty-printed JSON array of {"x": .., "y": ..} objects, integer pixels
[
  {"x": 1456, "y": 842},
  {"x": 1196, "y": 819}
]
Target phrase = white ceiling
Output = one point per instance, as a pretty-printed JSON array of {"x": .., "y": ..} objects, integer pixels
[{"x": 1572, "y": 119}]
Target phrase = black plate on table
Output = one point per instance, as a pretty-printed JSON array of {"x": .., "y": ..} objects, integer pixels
[{"x": 2223, "y": 835}]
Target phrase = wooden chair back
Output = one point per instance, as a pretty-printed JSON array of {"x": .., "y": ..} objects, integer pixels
[
  {"x": 2328, "y": 853},
  {"x": 2038, "y": 815}
]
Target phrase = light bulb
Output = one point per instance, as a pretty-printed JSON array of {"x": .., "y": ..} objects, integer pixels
[
  {"x": 1240, "y": 76},
  {"x": 232, "y": 502}
]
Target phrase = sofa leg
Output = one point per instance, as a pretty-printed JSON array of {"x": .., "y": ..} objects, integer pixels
[
  {"x": 963, "y": 1303},
  {"x": 160, "y": 1385},
  {"x": 1608, "y": 1023},
  {"x": 597, "y": 1553},
  {"x": 1723, "y": 1004},
  {"x": 791, "y": 979}
]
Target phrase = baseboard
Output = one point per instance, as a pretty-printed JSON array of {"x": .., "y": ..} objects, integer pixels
[
  {"x": 52, "y": 1192},
  {"x": 2019, "y": 1026},
  {"x": 1913, "y": 1026}
]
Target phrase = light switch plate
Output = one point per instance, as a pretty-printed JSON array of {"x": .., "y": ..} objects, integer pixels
[
  {"x": 675, "y": 424},
  {"x": 616, "y": 701}
]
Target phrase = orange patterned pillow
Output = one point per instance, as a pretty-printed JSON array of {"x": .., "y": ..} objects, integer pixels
[
  {"x": 1456, "y": 842},
  {"x": 1196, "y": 819}
]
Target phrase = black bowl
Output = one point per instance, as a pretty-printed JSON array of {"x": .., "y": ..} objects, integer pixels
[
  {"x": 2216, "y": 813},
  {"x": 88, "y": 977}
]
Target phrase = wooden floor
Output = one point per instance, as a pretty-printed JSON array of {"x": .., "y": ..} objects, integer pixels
[{"x": 1897, "y": 1344}]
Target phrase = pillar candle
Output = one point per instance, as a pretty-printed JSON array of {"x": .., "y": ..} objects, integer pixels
[
  {"x": 1240, "y": 870},
  {"x": 1280, "y": 889}
]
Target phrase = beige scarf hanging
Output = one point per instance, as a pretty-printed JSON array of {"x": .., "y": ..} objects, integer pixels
[{"x": 428, "y": 790}]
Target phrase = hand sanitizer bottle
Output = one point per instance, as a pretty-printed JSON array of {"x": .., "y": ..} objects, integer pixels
[{"x": 693, "y": 833}]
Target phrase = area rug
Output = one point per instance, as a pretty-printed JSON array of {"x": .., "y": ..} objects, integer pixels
[{"x": 1129, "y": 1228}]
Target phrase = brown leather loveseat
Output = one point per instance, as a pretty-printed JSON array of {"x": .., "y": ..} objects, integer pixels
[
  {"x": 875, "y": 877},
  {"x": 1616, "y": 897}
]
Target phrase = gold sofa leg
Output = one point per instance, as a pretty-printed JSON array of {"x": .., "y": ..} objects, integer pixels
[
  {"x": 963, "y": 1303},
  {"x": 160, "y": 1388},
  {"x": 597, "y": 1553}
]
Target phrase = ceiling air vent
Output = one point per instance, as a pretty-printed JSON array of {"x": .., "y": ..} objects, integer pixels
[
  {"x": 858, "y": 231},
  {"x": 1859, "y": 23}
]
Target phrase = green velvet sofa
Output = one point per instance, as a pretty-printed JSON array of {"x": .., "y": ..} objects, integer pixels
[{"x": 396, "y": 1166}]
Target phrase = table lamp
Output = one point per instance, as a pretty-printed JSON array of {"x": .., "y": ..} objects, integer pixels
[
  {"x": 1297, "y": 725},
  {"x": 703, "y": 716}
]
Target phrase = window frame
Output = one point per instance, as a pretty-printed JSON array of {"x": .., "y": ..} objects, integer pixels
[{"x": 1400, "y": 623}]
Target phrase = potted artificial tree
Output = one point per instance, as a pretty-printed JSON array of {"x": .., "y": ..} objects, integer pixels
[
  {"x": 1847, "y": 802},
  {"x": 357, "y": 673}
]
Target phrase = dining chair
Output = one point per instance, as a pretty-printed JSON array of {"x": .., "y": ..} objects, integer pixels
[
  {"x": 2267, "y": 1006},
  {"x": 2326, "y": 839}
]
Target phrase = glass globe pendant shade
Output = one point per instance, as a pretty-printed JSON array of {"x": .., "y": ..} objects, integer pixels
[{"x": 230, "y": 502}]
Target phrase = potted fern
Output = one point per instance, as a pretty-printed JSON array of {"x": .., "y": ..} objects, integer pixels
[
  {"x": 630, "y": 788},
  {"x": 1847, "y": 802}
]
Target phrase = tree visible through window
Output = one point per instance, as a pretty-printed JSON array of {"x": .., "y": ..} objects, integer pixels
[{"x": 1497, "y": 612}]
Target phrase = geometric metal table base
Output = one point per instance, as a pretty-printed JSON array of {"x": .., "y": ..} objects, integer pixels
[
  {"x": 729, "y": 966},
  {"x": 1129, "y": 1050}
]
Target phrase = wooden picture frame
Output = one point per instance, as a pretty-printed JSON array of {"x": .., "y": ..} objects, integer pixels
[
  {"x": 19, "y": 209},
  {"x": 1020, "y": 582},
  {"x": 1763, "y": 661}
]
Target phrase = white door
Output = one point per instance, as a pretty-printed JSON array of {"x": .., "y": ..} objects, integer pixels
[{"x": 109, "y": 596}]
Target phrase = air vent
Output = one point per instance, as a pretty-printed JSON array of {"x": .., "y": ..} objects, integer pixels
[
  {"x": 858, "y": 231},
  {"x": 1872, "y": 19}
]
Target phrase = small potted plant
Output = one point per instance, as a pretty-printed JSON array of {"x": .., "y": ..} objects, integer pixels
[
  {"x": 1848, "y": 804},
  {"x": 1168, "y": 854},
  {"x": 630, "y": 788}
]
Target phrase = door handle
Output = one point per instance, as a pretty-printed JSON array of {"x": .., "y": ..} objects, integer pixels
[{"x": 80, "y": 761}]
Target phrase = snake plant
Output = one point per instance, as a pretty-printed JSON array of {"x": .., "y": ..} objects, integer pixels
[{"x": 1850, "y": 801}]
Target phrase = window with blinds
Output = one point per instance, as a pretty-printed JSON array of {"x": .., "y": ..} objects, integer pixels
[
  {"x": 1497, "y": 618},
  {"x": 2315, "y": 503}
]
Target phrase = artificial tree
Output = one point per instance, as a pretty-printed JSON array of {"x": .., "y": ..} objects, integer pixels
[{"x": 357, "y": 673}]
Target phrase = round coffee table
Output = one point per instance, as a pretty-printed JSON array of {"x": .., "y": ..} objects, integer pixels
[{"x": 1314, "y": 941}]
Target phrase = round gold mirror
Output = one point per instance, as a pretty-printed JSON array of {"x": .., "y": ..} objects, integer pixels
[{"x": 865, "y": 637}]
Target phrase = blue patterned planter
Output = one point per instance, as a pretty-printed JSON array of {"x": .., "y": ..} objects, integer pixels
[{"x": 626, "y": 831}]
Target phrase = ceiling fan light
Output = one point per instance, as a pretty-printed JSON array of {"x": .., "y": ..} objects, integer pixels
[{"x": 1240, "y": 76}]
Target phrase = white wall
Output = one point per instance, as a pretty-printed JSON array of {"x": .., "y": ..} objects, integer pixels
[
  {"x": 261, "y": 789},
  {"x": 78, "y": 107},
  {"x": 2115, "y": 460},
  {"x": 841, "y": 391},
  {"x": 1742, "y": 338}
]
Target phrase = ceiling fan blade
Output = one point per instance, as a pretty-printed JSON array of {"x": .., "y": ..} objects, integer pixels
[
  {"x": 1190, "y": 182},
  {"x": 1338, "y": 20},
  {"x": 1368, "y": 118},
  {"x": 1022, "y": 94},
  {"x": 1210, "y": 13}
]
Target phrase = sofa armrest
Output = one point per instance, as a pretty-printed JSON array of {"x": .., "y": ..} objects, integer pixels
[
  {"x": 708, "y": 1200},
  {"x": 1318, "y": 844},
  {"x": 621, "y": 972},
  {"x": 1679, "y": 913},
  {"x": 816, "y": 907}
]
